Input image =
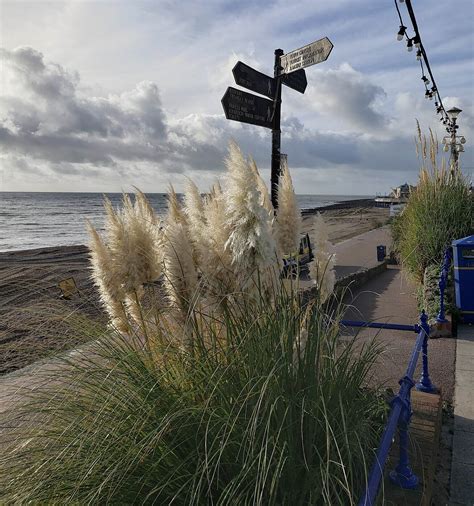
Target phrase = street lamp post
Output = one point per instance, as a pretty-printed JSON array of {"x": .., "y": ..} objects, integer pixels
[{"x": 456, "y": 147}]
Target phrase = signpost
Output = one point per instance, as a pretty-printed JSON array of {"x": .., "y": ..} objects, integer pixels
[
  {"x": 296, "y": 80},
  {"x": 254, "y": 80},
  {"x": 305, "y": 56},
  {"x": 247, "y": 108}
]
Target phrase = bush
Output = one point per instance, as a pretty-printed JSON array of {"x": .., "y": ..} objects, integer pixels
[
  {"x": 263, "y": 408},
  {"x": 439, "y": 210}
]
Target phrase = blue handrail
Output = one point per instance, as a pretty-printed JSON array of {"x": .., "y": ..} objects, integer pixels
[
  {"x": 375, "y": 325},
  {"x": 400, "y": 413}
]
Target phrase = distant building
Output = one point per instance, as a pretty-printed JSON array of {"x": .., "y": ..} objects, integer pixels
[{"x": 402, "y": 191}]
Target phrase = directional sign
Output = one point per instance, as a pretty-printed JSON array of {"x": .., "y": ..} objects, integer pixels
[
  {"x": 246, "y": 108},
  {"x": 296, "y": 80},
  {"x": 254, "y": 80},
  {"x": 305, "y": 56}
]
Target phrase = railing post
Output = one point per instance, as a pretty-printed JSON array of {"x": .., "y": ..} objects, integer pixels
[
  {"x": 403, "y": 475},
  {"x": 425, "y": 385},
  {"x": 443, "y": 280}
]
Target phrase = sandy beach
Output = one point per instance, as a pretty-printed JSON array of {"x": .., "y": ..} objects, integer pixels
[{"x": 36, "y": 321}]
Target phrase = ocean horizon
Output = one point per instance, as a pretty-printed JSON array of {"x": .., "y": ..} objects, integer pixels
[{"x": 31, "y": 220}]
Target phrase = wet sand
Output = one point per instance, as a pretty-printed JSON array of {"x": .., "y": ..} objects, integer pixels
[{"x": 35, "y": 321}]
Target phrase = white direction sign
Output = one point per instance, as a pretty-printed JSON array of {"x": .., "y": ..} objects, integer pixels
[{"x": 305, "y": 56}]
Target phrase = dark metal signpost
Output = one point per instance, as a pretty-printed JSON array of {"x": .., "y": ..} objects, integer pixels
[{"x": 247, "y": 108}]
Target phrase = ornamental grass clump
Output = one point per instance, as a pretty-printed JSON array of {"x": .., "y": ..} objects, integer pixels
[
  {"x": 213, "y": 384},
  {"x": 439, "y": 210},
  {"x": 250, "y": 415}
]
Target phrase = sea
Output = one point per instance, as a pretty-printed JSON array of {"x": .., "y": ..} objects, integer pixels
[{"x": 31, "y": 220}]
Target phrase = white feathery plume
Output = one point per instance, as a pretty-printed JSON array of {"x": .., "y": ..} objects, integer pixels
[
  {"x": 288, "y": 220},
  {"x": 134, "y": 252},
  {"x": 262, "y": 187},
  {"x": 194, "y": 211},
  {"x": 250, "y": 242},
  {"x": 215, "y": 258},
  {"x": 107, "y": 280},
  {"x": 180, "y": 275},
  {"x": 321, "y": 268},
  {"x": 175, "y": 211}
]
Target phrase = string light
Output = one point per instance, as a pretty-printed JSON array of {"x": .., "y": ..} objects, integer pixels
[
  {"x": 422, "y": 57},
  {"x": 401, "y": 32}
]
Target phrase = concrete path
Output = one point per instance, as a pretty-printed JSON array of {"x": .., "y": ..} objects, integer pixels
[
  {"x": 390, "y": 298},
  {"x": 360, "y": 252},
  {"x": 462, "y": 470}
]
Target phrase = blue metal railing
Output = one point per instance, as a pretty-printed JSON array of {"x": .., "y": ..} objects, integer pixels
[{"x": 400, "y": 413}]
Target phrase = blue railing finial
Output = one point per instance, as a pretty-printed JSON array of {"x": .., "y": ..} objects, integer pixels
[{"x": 425, "y": 385}]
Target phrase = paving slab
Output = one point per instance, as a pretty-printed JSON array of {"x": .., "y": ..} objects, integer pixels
[{"x": 462, "y": 471}]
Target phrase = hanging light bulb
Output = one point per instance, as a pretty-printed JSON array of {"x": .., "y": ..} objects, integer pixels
[
  {"x": 436, "y": 104},
  {"x": 427, "y": 94},
  {"x": 410, "y": 45},
  {"x": 446, "y": 148},
  {"x": 402, "y": 1},
  {"x": 463, "y": 140},
  {"x": 418, "y": 55},
  {"x": 434, "y": 89},
  {"x": 401, "y": 32},
  {"x": 425, "y": 80},
  {"x": 431, "y": 96},
  {"x": 417, "y": 41}
]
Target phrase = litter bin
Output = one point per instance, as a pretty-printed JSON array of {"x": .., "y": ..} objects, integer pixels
[
  {"x": 463, "y": 254},
  {"x": 381, "y": 253}
]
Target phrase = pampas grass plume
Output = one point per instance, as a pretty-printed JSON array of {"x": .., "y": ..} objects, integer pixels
[
  {"x": 321, "y": 269},
  {"x": 288, "y": 226},
  {"x": 250, "y": 242}
]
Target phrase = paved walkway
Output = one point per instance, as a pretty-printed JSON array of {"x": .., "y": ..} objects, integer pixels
[
  {"x": 360, "y": 252},
  {"x": 462, "y": 470},
  {"x": 390, "y": 297}
]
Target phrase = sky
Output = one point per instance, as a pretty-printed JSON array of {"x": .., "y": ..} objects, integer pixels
[{"x": 104, "y": 95}]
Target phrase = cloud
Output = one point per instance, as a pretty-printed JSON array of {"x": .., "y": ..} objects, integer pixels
[
  {"x": 44, "y": 115},
  {"x": 53, "y": 128},
  {"x": 349, "y": 96}
]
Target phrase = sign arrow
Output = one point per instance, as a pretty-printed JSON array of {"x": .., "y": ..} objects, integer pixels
[
  {"x": 296, "y": 80},
  {"x": 305, "y": 56},
  {"x": 254, "y": 80},
  {"x": 247, "y": 108}
]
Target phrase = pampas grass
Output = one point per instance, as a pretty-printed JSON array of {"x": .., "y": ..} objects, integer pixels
[
  {"x": 129, "y": 257},
  {"x": 250, "y": 241},
  {"x": 439, "y": 210},
  {"x": 242, "y": 420},
  {"x": 288, "y": 229},
  {"x": 321, "y": 269}
]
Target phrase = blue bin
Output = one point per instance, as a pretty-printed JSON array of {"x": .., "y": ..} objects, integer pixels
[
  {"x": 381, "y": 253},
  {"x": 463, "y": 254}
]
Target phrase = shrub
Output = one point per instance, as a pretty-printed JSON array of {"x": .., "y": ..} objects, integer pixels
[{"x": 439, "y": 210}]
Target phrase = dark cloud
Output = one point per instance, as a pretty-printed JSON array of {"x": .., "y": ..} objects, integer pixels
[
  {"x": 49, "y": 119},
  {"x": 46, "y": 118}
]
